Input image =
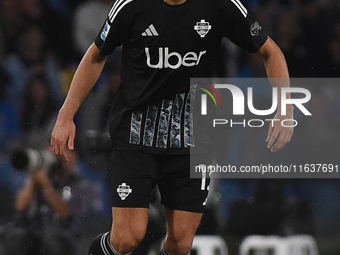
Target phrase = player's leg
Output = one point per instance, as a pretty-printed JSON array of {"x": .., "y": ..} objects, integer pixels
[
  {"x": 128, "y": 229},
  {"x": 184, "y": 199},
  {"x": 181, "y": 229},
  {"x": 132, "y": 179}
]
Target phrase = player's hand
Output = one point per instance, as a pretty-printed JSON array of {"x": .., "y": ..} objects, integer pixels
[
  {"x": 63, "y": 135},
  {"x": 279, "y": 135}
]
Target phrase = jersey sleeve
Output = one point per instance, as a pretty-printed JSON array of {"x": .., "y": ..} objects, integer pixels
[
  {"x": 240, "y": 27},
  {"x": 112, "y": 32}
]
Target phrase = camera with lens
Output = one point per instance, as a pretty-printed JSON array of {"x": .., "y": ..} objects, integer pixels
[{"x": 30, "y": 160}]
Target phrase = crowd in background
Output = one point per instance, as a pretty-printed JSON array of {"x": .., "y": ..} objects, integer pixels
[{"x": 42, "y": 41}]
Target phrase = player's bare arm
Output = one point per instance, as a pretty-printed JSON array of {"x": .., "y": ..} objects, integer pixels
[
  {"x": 276, "y": 67},
  {"x": 83, "y": 81}
]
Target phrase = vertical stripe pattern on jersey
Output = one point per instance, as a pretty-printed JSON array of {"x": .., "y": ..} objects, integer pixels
[
  {"x": 188, "y": 117},
  {"x": 136, "y": 123},
  {"x": 175, "y": 131},
  {"x": 150, "y": 123},
  {"x": 163, "y": 126}
]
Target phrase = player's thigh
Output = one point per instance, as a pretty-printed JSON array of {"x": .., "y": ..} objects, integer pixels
[
  {"x": 181, "y": 229},
  {"x": 182, "y": 223},
  {"x": 133, "y": 176},
  {"x": 178, "y": 190},
  {"x": 129, "y": 224}
]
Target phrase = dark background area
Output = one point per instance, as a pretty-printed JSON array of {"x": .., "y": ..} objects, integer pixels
[{"x": 41, "y": 43}]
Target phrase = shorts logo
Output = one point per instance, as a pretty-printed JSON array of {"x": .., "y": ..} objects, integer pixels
[
  {"x": 202, "y": 27},
  {"x": 105, "y": 31},
  {"x": 124, "y": 190},
  {"x": 255, "y": 28}
]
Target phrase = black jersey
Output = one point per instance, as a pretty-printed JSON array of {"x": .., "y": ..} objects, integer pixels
[{"x": 163, "y": 47}]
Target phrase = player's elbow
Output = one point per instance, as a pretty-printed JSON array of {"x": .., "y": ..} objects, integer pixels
[
  {"x": 94, "y": 54},
  {"x": 271, "y": 50}
]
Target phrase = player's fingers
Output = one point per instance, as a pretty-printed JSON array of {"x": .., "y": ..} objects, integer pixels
[
  {"x": 272, "y": 138},
  {"x": 53, "y": 139},
  {"x": 52, "y": 142},
  {"x": 56, "y": 149},
  {"x": 288, "y": 136},
  {"x": 70, "y": 142},
  {"x": 62, "y": 152},
  {"x": 59, "y": 148},
  {"x": 279, "y": 143},
  {"x": 270, "y": 131},
  {"x": 283, "y": 138}
]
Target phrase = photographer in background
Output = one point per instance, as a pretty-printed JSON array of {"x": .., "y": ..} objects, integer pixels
[{"x": 48, "y": 209}]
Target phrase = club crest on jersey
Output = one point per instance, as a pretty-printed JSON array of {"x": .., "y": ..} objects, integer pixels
[
  {"x": 105, "y": 31},
  {"x": 202, "y": 27},
  {"x": 124, "y": 191}
]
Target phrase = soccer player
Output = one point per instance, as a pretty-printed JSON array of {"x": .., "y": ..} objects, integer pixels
[{"x": 165, "y": 42}]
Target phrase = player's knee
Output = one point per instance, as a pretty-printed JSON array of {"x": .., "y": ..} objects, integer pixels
[
  {"x": 125, "y": 242},
  {"x": 178, "y": 246},
  {"x": 121, "y": 245},
  {"x": 125, "y": 246}
]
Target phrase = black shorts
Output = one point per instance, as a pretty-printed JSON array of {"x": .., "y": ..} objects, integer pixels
[{"x": 134, "y": 174}]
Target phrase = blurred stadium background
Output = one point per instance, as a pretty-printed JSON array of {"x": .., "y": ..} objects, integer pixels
[{"x": 41, "y": 43}]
